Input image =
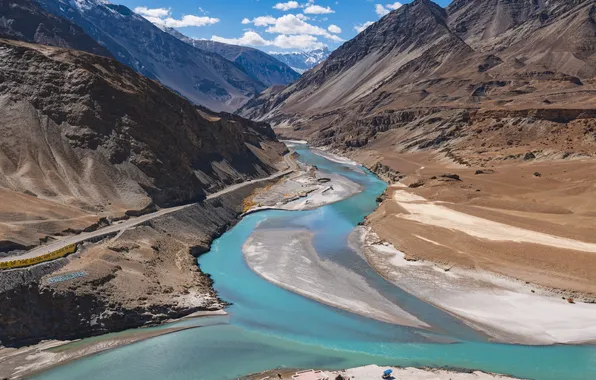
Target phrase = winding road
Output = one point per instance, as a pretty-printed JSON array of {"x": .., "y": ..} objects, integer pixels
[{"x": 133, "y": 222}]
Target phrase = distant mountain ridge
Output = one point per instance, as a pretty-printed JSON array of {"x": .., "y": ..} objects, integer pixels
[
  {"x": 303, "y": 61},
  {"x": 25, "y": 20},
  {"x": 259, "y": 65},
  {"x": 509, "y": 59},
  {"x": 202, "y": 77}
]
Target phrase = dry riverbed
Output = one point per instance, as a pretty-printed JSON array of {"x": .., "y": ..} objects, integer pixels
[{"x": 306, "y": 189}]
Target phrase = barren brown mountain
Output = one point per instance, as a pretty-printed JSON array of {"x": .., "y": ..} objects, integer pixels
[
  {"x": 84, "y": 131},
  {"x": 502, "y": 88},
  {"x": 86, "y": 142}
]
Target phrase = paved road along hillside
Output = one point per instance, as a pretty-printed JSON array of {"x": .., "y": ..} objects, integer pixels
[{"x": 123, "y": 226}]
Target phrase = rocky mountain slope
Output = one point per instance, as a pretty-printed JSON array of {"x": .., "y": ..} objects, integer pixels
[
  {"x": 202, "y": 77},
  {"x": 87, "y": 141},
  {"x": 486, "y": 108},
  {"x": 303, "y": 61},
  {"x": 25, "y": 20},
  {"x": 88, "y": 132},
  {"x": 259, "y": 65},
  {"x": 451, "y": 79},
  {"x": 146, "y": 276}
]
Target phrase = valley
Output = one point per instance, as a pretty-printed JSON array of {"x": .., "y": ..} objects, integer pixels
[{"x": 422, "y": 196}]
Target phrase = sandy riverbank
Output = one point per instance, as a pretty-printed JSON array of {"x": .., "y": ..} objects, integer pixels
[
  {"x": 307, "y": 189},
  {"x": 334, "y": 157},
  {"x": 375, "y": 372},
  {"x": 288, "y": 259},
  {"x": 508, "y": 310},
  {"x": 19, "y": 363}
]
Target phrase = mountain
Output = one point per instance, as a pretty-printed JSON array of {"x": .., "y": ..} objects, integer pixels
[
  {"x": 87, "y": 131},
  {"x": 202, "y": 77},
  {"x": 26, "y": 21},
  {"x": 460, "y": 67},
  {"x": 303, "y": 61},
  {"x": 259, "y": 65}
]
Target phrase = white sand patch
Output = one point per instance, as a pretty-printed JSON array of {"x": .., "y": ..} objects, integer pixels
[
  {"x": 305, "y": 192},
  {"x": 339, "y": 188},
  {"x": 279, "y": 257},
  {"x": 429, "y": 213},
  {"x": 375, "y": 372},
  {"x": 430, "y": 241},
  {"x": 334, "y": 157},
  {"x": 293, "y": 143},
  {"x": 504, "y": 308}
]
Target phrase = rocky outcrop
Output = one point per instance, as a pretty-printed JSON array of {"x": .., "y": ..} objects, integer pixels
[
  {"x": 106, "y": 298},
  {"x": 386, "y": 173},
  {"x": 112, "y": 139}
]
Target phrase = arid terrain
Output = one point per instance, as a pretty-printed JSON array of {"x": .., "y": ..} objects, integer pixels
[
  {"x": 487, "y": 110},
  {"x": 553, "y": 198},
  {"x": 88, "y": 143}
]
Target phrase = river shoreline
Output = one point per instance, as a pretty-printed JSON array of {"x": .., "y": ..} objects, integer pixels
[
  {"x": 374, "y": 371},
  {"x": 508, "y": 310},
  {"x": 16, "y": 363},
  {"x": 119, "y": 344},
  {"x": 472, "y": 293},
  {"x": 289, "y": 260}
]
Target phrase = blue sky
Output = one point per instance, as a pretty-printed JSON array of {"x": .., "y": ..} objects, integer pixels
[{"x": 269, "y": 25}]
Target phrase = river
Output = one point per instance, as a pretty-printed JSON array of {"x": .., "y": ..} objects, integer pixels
[{"x": 269, "y": 327}]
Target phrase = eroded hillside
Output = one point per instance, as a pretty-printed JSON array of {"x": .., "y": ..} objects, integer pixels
[{"x": 87, "y": 132}]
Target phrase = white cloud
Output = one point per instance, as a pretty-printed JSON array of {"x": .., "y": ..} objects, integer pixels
[
  {"x": 155, "y": 12},
  {"x": 286, "y": 6},
  {"x": 290, "y": 24},
  {"x": 248, "y": 39},
  {"x": 301, "y": 41},
  {"x": 283, "y": 41},
  {"x": 334, "y": 38},
  {"x": 394, "y": 6},
  {"x": 382, "y": 10},
  {"x": 190, "y": 20},
  {"x": 318, "y": 10},
  {"x": 334, "y": 29},
  {"x": 360, "y": 28},
  {"x": 261, "y": 21},
  {"x": 162, "y": 17}
]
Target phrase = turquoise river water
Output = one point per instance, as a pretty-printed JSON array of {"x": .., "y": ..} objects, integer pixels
[{"x": 269, "y": 327}]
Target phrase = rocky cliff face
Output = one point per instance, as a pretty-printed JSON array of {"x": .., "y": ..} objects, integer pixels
[
  {"x": 202, "y": 77},
  {"x": 147, "y": 276},
  {"x": 418, "y": 73},
  {"x": 25, "y": 20},
  {"x": 259, "y": 65},
  {"x": 87, "y": 131}
]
